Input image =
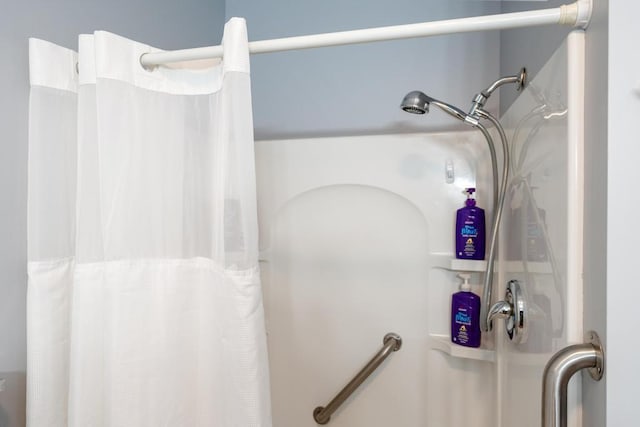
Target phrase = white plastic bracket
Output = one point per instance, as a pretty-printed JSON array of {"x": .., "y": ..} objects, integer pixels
[
  {"x": 576, "y": 14},
  {"x": 585, "y": 9}
]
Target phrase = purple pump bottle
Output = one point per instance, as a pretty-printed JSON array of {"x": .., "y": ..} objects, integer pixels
[
  {"x": 470, "y": 229},
  {"x": 465, "y": 315}
]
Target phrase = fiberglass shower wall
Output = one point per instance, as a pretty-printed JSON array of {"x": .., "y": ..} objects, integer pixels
[
  {"x": 356, "y": 236},
  {"x": 357, "y": 241}
]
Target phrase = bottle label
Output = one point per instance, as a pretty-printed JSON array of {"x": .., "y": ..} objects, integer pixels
[
  {"x": 463, "y": 318},
  {"x": 462, "y": 337},
  {"x": 469, "y": 231},
  {"x": 462, "y": 322},
  {"x": 465, "y": 322}
]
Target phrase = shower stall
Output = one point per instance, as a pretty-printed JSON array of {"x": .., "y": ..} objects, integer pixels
[
  {"x": 356, "y": 247},
  {"x": 357, "y": 240}
]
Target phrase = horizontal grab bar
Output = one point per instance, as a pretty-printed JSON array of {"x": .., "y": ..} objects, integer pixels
[{"x": 392, "y": 342}]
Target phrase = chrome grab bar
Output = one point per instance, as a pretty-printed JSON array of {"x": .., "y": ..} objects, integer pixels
[
  {"x": 392, "y": 342},
  {"x": 559, "y": 371}
]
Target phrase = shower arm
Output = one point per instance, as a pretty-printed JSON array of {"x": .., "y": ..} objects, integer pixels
[
  {"x": 480, "y": 99},
  {"x": 519, "y": 79},
  {"x": 486, "y": 325}
]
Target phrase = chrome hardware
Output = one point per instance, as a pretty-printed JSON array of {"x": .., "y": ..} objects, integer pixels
[
  {"x": 497, "y": 215},
  {"x": 559, "y": 371},
  {"x": 392, "y": 342},
  {"x": 417, "y": 102},
  {"x": 481, "y": 98},
  {"x": 514, "y": 310}
]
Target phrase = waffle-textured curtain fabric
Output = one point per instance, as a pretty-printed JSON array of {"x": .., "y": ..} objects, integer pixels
[{"x": 144, "y": 298}]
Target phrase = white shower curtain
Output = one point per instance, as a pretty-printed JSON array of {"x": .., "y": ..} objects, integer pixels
[{"x": 144, "y": 299}]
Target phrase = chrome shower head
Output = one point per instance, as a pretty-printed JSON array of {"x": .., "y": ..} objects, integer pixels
[{"x": 416, "y": 102}]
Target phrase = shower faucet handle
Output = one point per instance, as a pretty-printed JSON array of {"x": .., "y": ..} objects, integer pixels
[
  {"x": 499, "y": 310},
  {"x": 513, "y": 309}
]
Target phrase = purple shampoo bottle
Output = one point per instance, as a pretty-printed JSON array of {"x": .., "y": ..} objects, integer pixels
[
  {"x": 465, "y": 315},
  {"x": 470, "y": 229}
]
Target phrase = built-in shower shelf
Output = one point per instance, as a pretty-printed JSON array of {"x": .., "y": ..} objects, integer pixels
[
  {"x": 443, "y": 343},
  {"x": 510, "y": 266}
]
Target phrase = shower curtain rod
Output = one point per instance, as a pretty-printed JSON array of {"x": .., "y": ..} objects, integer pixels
[{"x": 576, "y": 15}]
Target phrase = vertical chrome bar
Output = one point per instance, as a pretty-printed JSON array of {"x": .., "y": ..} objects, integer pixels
[
  {"x": 559, "y": 371},
  {"x": 392, "y": 342}
]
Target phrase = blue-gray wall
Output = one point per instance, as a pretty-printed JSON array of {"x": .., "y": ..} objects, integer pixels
[
  {"x": 166, "y": 24},
  {"x": 357, "y": 89}
]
